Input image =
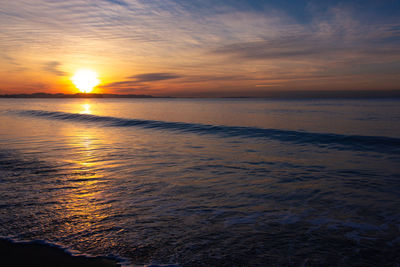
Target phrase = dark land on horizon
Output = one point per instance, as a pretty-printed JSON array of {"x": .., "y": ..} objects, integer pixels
[
  {"x": 78, "y": 95},
  {"x": 271, "y": 94}
]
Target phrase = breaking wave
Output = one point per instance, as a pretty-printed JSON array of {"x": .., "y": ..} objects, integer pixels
[{"x": 379, "y": 144}]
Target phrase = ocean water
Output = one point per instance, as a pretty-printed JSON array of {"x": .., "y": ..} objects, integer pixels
[{"x": 205, "y": 182}]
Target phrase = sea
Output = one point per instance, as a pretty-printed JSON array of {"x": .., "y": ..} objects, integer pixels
[{"x": 205, "y": 182}]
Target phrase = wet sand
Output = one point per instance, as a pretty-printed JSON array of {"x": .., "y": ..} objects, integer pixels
[{"x": 34, "y": 254}]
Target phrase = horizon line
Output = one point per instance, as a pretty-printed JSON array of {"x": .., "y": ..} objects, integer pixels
[{"x": 289, "y": 94}]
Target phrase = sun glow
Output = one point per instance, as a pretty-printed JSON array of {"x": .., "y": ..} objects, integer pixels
[{"x": 85, "y": 80}]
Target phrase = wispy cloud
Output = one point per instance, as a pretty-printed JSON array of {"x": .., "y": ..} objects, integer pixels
[
  {"x": 152, "y": 77},
  {"x": 118, "y": 2},
  {"x": 336, "y": 45},
  {"x": 53, "y": 67},
  {"x": 140, "y": 81},
  {"x": 338, "y": 33},
  {"x": 309, "y": 46}
]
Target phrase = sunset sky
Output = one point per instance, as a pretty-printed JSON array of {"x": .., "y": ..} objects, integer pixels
[{"x": 199, "y": 48}]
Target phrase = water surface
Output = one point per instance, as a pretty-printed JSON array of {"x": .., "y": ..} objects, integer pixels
[{"x": 200, "y": 182}]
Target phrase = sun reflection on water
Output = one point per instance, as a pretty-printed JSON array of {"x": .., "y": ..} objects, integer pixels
[
  {"x": 85, "y": 109},
  {"x": 83, "y": 203}
]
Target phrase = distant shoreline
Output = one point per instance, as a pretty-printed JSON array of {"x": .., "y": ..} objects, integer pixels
[{"x": 268, "y": 95}]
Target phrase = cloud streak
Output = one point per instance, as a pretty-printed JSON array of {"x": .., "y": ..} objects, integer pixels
[
  {"x": 308, "y": 46},
  {"x": 152, "y": 77},
  {"x": 140, "y": 81},
  {"x": 118, "y": 2},
  {"x": 53, "y": 67}
]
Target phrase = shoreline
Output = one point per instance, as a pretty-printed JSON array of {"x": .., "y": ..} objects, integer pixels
[{"x": 39, "y": 254}]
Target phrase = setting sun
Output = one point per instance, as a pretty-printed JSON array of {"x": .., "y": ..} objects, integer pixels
[{"x": 85, "y": 80}]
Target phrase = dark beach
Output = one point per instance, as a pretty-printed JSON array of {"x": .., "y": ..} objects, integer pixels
[{"x": 36, "y": 254}]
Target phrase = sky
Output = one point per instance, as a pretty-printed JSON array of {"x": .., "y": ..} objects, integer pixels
[{"x": 199, "y": 48}]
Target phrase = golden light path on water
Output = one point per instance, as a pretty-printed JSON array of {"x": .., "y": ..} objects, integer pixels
[
  {"x": 82, "y": 204},
  {"x": 86, "y": 109}
]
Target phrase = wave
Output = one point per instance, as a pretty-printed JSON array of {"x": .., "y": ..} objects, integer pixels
[{"x": 330, "y": 140}]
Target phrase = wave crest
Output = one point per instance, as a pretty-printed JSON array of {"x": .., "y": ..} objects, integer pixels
[{"x": 379, "y": 144}]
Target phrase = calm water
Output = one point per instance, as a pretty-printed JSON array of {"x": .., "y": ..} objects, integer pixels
[{"x": 205, "y": 182}]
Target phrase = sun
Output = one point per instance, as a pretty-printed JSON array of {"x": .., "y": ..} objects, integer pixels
[{"x": 85, "y": 80}]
